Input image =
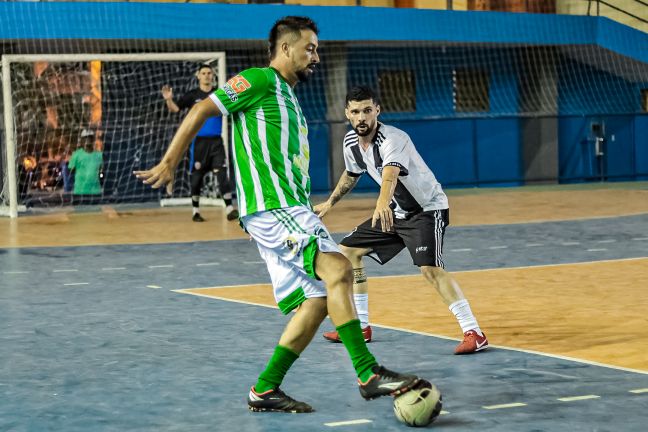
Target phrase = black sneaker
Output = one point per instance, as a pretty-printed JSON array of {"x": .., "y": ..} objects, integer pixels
[
  {"x": 234, "y": 214},
  {"x": 385, "y": 382},
  {"x": 276, "y": 401},
  {"x": 197, "y": 218}
]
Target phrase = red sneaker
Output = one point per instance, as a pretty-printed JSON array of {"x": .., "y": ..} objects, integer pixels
[
  {"x": 333, "y": 336},
  {"x": 471, "y": 343}
]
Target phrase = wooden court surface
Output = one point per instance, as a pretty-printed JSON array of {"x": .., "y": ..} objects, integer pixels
[
  {"x": 593, "y": 311},
  {"x": 586, "y": 311},
  {"x": 165, "y": 225}
]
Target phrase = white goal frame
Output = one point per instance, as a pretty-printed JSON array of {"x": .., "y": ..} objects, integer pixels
[{"x": 10, "y": 139}]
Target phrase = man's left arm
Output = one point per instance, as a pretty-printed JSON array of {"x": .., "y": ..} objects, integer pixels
[{"x": 383, "y": 211}]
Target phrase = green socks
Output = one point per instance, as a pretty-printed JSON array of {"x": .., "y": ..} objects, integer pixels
[
  {"x": 283, "y": 358},
  {"x": 353, "y": 340},
  {"x": 276, "y": 370}
]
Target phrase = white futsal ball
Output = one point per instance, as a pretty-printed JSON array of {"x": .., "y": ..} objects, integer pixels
[{"x": 419, "y": 406}]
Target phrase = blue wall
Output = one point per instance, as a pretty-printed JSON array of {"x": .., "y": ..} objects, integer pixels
[
  {"x": 641, "y": 147},
  {"x": 488, "y": 151},
  {"x": 625, "y": 148}
]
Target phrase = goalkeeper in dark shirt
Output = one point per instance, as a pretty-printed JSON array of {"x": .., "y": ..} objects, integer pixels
[{"x": 207, "y": 152}]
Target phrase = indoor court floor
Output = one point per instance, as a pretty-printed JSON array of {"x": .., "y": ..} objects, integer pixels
[{"x": 130, "y": 319}]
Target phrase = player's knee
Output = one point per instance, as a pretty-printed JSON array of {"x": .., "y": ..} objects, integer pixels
[
  {"x": 353, "y": 254},
  {"x": 343, "y": 273},
  {"x": 433, "y": 274}
]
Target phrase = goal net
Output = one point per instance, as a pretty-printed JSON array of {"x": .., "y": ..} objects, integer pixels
[{"x": 110, "y": 104}]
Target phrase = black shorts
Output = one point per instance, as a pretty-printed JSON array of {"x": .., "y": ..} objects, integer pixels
[
  {"x": 422, "y": 235},
  {"x": 207, "y": 153}
]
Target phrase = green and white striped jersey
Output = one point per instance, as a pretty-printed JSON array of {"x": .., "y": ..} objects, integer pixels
[{"x": 270, "y": 141}]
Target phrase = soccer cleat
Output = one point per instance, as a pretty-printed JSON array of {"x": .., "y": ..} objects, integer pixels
[
  {"x": 333, "y": 336},
  {"x": 234, "y": 214},
  {"x": 275, "y": 400},
  {"x": 197, "y": 218},
  {"x": 472, "y": 342},
  {"x": 384, "y": 382}
]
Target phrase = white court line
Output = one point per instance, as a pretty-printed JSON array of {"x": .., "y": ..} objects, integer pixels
[
  {"x": 207, "y": 264},
  {"x": 461, "y": 250},
  {"x": 113, "y": 268},
  {"x": 348, "y": 422},
  {"x": 538, "y": 353},
  {"x": 534, "y": 244},
  {"x": 498, "y": 247},
  {"x": 606, "y": 241},
  {"x": 15, "y": 272},
  {"x": 64, "y": 270},
  {"x": 578, "y": 398},
  {"x": 153, "y": 286},
  {"x": 187, "y": 291},
  {"x": 161, "y": 266},
  {"x": 77, "y": 283},
  {"x": 556, "y": 356},
  {"x": 508, "y": 405},
  {"x": 638, "y": 391},
  {"x": 640, "y": 238},
  {"x": 444, "y": 413},
  {"x": 596, "y": 250},
  {"x": 570, "y": 243}
]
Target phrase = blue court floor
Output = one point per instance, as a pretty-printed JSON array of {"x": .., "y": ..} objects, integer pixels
[{"x": 97, "y": 339}]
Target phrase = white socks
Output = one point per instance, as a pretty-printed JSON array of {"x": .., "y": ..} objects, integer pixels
[
  {"x": 467, "y": 321},
  {"x": 362, "y": 308}
]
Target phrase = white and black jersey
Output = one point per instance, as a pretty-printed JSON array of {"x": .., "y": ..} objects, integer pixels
[{"x": 417, "y": 189}]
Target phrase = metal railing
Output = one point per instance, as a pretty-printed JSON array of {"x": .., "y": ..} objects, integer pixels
[{"x": 598, "y": 3}]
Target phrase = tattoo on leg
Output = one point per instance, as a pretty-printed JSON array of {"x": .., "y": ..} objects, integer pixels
[{"x": 359, "y": 276}]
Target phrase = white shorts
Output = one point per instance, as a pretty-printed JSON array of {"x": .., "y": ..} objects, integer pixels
[{"x": 288, "y": 240}]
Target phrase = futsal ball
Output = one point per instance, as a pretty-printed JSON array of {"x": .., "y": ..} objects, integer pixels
[{"x": 419, "y": 406}]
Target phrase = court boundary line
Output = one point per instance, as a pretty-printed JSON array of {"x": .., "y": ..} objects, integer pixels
[
  {"x": 452, "y": 272},
  {"x": 522, "y": 350}
]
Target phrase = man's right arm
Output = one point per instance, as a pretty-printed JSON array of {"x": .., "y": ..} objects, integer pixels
[
  {"x": 163, "y": 173},
  {"x": 344, "y": 186},
  {"x": 167, "y": 94}
]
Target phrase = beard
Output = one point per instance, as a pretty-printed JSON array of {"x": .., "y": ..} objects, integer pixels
[
  {"x": 305, "y": 74},
  {"x": 363, "y": 132}
]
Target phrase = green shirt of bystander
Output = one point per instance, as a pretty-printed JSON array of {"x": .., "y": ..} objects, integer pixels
[{"x": 86, "y": 166}]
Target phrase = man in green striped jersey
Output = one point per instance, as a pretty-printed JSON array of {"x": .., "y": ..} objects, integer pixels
[{"x": 271, "y": 156}]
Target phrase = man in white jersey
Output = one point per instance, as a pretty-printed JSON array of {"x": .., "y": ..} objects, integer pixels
[
  {"x": 271, "y": 154},
  {"x": 412, "y": 210}
]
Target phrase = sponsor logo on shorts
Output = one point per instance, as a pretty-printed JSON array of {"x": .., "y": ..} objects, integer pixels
[
  {"x": 292, "y": 245},
  {"x": 321, "y": 232},
  {"x": 421, "y": 249}
]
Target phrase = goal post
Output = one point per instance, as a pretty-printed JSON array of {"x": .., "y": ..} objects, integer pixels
[{"x": 51, "y": 100}]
